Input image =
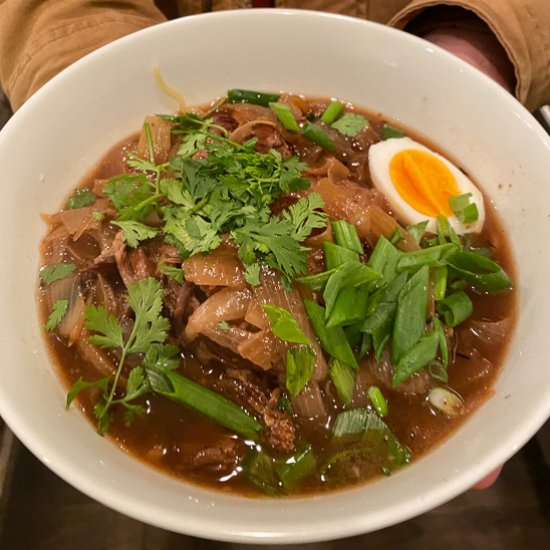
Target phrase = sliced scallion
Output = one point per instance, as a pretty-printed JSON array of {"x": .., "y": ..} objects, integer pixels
[
  {"x": 285, "y": 116},
  {"x": 333, "y": 340},
  {"x": 211, "y": 404},
  {"x": 463, "y": 209},
  {"x": 416, "y": 358},
  {"x": 479, "y": 271},
  {"x": 410, "y": 317},
  {"x": 250, "y": 96},
  {"x": 346, "y": 235},
  {"x": 343, "y": 378},
  {"x": 336, "y": 255},
  {"x": 315, "y": 133},
  {"x": 332, "y": 112},
  {"x": 378, "y": 400},
  {"x": 455, "y": 308},
  {"x": 349, "y": 308},
  {"x": 389, "y": 132}
]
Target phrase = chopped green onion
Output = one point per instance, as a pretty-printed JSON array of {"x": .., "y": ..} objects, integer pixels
[
  {"x": 316, "y": 281},
  {"x": 211, "y": 404},
  {"x": 346, "y": 235},
  {"x": 299, "y": 368},
  {"x": 366, "y": 345},
  {"x": 333, "y": 340},
  {"x": 439, "y": 278},
  {"x": 389, "y": 131},
  {"x": 384, "y": 259},
  {"x": 284, "y": 325},
  {"x": 349, "y": 308},
  {"x": 455, "y": 308},
  {"x": 417, "y": 230},
  {"x": 378, "y": 400},
  {"x": 297, "y": 467},
  {"x": 374, "y": 432},
  {"x": 249, "y": 96},
  {"x": 446, "y": 232},
  {"x": 463, "y": 209},
  {"x": 446, "y": 400},
  {"x": 479, "y": 271},
  {"x": 434, "y": 256},
  {"x": 318, "y": 135},
  {"x": 416, "y": 358},
  {"x": 410, "y": 317},
  {"x": 379, "y": 324},
  {"x": 332, "y": 112},
  {"x": 343, "y": 378},
  {"x": 285, "y": 116},
  {"x": 348, "y": 274},
  {"x": 443, "y": 345},
  {"x": 259, "y": 469},
  {"x": 336, "y": 255}
]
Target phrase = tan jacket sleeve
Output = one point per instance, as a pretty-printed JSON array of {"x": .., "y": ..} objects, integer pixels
[
  {"x": 523, "y": 29},
  {"x": 39, "y": 38}
]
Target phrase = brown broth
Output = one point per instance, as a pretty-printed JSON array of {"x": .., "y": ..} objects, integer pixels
[{"x": 168, "y": 433}]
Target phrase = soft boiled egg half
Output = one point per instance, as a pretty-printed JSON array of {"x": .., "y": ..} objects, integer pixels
[{"x": 418, "y": 184}]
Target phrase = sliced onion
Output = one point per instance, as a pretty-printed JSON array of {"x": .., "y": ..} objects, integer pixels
[
  {"x": 94, "y": 356},
  {"x": 230, "y": 338},
  {"x": 68, "y": 288},
  {"x": 446, "y": 401},
  {"x": 160, "y": 136},
  {"x": 262, "y": 349},
  {"x": 271, "y": 292},
  {"x": 221, "y": 267},
  {"x": 309, "y": 403},
  {"x": 256, "y": 316},
  {"x": 491, "y": 332},
  {"x": 381, "y": 223},
  {"x": 382, "y": 371},
  {"x": 248, "y": 112},
  {"x": 226, "y": 305}
]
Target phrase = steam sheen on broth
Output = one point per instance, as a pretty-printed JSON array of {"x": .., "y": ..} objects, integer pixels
[{"x": 276, "y": 294}]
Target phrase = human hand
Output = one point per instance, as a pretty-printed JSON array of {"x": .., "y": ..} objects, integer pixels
[
  {"x": 479, "y": 47},
  {"x": 488, "y": 480}
]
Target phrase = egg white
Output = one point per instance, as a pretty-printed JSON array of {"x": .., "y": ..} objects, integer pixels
[{"x": 380, "y": 156}]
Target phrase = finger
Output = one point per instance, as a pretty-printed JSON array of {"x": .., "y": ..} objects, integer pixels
[{"x": 488, "y": 480}]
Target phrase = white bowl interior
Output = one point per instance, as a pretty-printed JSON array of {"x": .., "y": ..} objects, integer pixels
[{"x": 60, "y": 134}]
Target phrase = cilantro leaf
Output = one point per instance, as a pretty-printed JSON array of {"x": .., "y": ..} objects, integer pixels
[
  {"x": 145, "y": 298},
  {"x": 98, "y": 319},
  {"x": 176, "y": 273},
  {"x": 285, "y": 326},
  {"x": 135, "y": 232},
  {"x": 304, "y": 216},
  {"x": 252, "y": 274},
  {"x": 350, "y": 124},
  {"x": 81, "y": 384},
  {"x": 80, "y": 198},
  {"x": 159, "y": 359},
  {"x": 147, "y": 336},
  {"x": 58, "y": 312},
  {"x": 56, "y": 271}
]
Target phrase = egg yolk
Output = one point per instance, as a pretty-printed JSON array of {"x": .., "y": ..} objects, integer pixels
[{"x": 423, "y": 181}]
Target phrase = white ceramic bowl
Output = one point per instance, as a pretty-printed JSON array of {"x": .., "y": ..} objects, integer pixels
[{"x": 53, "y": 141}]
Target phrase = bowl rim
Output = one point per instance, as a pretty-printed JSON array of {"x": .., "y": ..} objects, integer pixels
[{"x": 104, "y": 493}]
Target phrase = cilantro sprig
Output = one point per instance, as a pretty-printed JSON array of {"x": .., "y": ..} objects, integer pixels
[{"x": 214, "y": 186}]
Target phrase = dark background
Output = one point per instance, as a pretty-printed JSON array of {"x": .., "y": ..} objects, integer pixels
[{"x": 39, "y": 511}]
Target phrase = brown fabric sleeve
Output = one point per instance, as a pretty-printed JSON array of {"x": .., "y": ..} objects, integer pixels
[
  {"x": 521, "y": 26},
  {"x": 42, "y": 37}
]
